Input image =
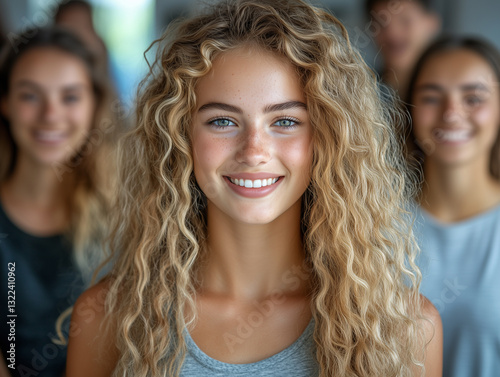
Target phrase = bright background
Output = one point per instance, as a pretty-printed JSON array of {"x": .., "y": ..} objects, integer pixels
[{"x": 129, "y": 26}]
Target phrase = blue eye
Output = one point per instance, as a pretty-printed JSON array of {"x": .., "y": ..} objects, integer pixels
[
  {"x": 428, "y": 100},
  {"x": 286, "y": 123},
  {"x": 473, "y": 100},
  {"x": 29, "y": 97},
  {"x": 71, "y": 99},
  {"x": 221, "y": 123}
]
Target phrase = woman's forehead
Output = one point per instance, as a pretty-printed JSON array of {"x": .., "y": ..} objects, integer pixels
[{"x": 243, "y": 76}]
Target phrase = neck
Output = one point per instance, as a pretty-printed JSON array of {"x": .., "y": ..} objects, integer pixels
[
  {"x": 37, "y": 185},
  {"x": 254, "y": 261},
  {"x": 457, "y": 193}
]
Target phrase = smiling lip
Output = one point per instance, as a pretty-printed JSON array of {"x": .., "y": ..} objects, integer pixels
[
  {"x": 452, "y": 136},
  {"x": 253, "y": 176},
  {"x": 50, "y": 137},
  {"x": 252, "y": 192}
]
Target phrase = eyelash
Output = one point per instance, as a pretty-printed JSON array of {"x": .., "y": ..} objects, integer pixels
[
  {"x": 291, "y": 119},
  {"x": 474, "y": 100},
  {"x": 211, "y": 122},
  {"x": 28, "y": 97}
]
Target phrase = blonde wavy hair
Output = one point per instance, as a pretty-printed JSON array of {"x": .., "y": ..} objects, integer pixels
[
  {"x": 358, "y": 242},
  {"x": 91, "y": 169}
]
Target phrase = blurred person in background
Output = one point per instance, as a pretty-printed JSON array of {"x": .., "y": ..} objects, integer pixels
[
  {"x": 455, "y": 108},
  {"x": 56, "y": 169},
  {"x": 76, "y": 15},
  {"x": 401, "y": 29}
]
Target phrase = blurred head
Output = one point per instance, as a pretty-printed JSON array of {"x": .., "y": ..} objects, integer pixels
[
  {"x": 455, "y": 98},
  {"x": 402, "y": 29},
  {"x": 49, "y": 106},
  {"x": 51, "y": 96},
  {"x": 75, "y": 14}
]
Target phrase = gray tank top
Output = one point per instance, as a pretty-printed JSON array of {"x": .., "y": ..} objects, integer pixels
[
  {"x": 460, "y": 265},
  {"x": 298, "y": 360}
]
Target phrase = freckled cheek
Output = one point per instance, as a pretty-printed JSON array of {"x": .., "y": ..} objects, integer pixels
[
  {"x": 423, "y": 121},
  {"x": 79, "y": 125},
  {"x": 488, "y": 117},
  {"x": 209, "y": 154},
  {"x": 296, "y": 155},
  {"x": 488, "y": 120},
  {"x": 24, "y": 114},
  {"x": 81, "y": 117}
]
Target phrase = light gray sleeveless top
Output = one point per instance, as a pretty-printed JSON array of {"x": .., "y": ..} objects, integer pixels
[{"x": 298, "y": 360}]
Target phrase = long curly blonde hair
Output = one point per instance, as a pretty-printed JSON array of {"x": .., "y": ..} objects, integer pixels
[{"x": 357, "y": 237}]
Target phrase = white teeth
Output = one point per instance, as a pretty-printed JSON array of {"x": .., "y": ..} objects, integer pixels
[
  {"x": 253, "y": 184},
  {"x": 452, "y": 136},
  {"x": 50, "y": 136}
]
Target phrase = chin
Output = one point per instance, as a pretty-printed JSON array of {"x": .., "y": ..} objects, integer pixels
[
  {"x": 455, "y": 160},
  {"x": 255, "y": 219},
  {"x": 55, "y": 160}
]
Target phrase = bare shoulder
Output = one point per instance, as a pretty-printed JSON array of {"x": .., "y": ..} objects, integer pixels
[
  {"x": 91, "y": 349},
  {"x": 430, "y": 311},
  {"x": 433, "y": 338},
  {"x": 4, "y": 372}
]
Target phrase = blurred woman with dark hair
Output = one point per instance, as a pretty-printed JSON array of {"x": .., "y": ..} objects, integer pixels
[
  {"x": 56, "y": 169},
  {"x": 455, "y": 142}
]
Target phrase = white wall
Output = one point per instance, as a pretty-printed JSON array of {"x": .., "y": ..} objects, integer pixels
[
  {"x": 464, "y": 16},
  {"x": 478, "y": 17}
]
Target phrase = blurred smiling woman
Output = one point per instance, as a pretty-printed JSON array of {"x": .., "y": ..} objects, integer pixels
[
  {"x": 55, "y": 183},
  {"x": 261, "y": 226},
  {"x": 455, "y": 109}
]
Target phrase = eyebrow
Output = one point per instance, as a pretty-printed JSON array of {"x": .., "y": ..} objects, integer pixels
[
  {"x": 268, "y": 109},
  {"x": 34, "y": 85},
  {"x": 465, "y": 87}
]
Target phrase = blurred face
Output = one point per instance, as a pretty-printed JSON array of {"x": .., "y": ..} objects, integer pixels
[
  {"x": 50, "y": 105},
  {"x": 78, "y": 19},
  {"x": 404, "y": 28},
  {"x": 456, "y": 116},
  {"x": 252, "y": 141}
]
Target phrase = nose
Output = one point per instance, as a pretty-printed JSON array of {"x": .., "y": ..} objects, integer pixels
[
  {"x": 254, "y": 148},
  {"x": 453, "y": 111},
  {"x": 51, "y": 111}
]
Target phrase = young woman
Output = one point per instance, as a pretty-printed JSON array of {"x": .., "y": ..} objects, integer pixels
[
  {"x": 55, "y": 180},
  {"x": 455, "y": 101},
  {"x": 261, "y": 228}
]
